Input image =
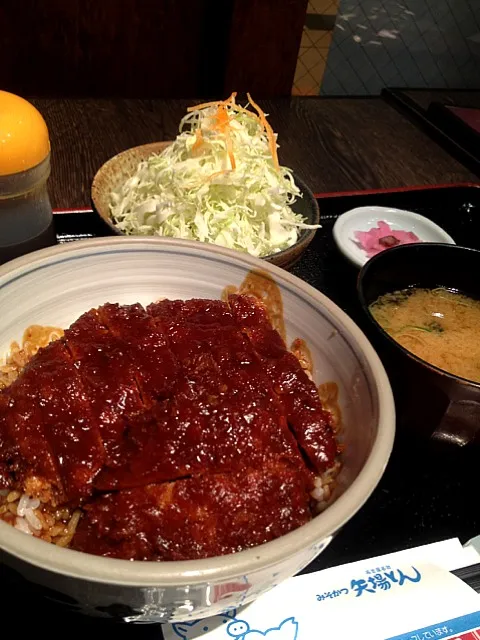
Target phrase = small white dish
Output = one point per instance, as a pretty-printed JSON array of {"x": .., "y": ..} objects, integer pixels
[{"x": 366, "y": 218}]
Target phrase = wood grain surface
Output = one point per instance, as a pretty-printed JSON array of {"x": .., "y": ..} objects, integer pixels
[{"x": 333, "y": 144}]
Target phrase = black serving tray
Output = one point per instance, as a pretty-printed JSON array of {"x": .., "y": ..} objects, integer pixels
[
  {"x": 452, "y": 121},
  {"x": 439, "y": 126},
  {"x": 422, "y": 495},
  {"x": 455, "y": 208}
]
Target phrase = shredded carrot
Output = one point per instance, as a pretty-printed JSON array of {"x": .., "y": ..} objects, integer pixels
[
  {"x": 198, "y": 140},
  {"x": 204, "y": 105},
  {"x": 237, "y": 107},
  {"x": 228, "y": 102},
  {"x": 271, "y": 136},
  {"x": 222, "y": 125},
  {"x": 215, "y": 103},
  {"x": 221, "y": 118},
  {"x": 231, "y": 99}
]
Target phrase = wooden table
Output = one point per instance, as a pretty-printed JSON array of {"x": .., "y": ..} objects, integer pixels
[{"x": 334, "y": 144}]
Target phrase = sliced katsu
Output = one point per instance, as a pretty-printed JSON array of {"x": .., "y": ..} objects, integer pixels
[
  {"x": 48, "y": 414},
  {"x": 310, "y": 423},
  {"x": 223, "y": 411},
  {"x": 26, "y": 458},
  {"x": 155, "y": 367},
  {"x": 195, "y": 518},
  {"x": 184, "y": 430}
]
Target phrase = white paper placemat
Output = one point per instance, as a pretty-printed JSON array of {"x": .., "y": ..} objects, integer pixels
[{"x": 409, "y": 595}]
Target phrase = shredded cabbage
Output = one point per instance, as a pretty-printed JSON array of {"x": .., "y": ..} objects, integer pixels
[{"x": 218, "y": 182}]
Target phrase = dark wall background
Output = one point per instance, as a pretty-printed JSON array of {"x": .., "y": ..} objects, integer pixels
[{"x": 149, "y": 48}]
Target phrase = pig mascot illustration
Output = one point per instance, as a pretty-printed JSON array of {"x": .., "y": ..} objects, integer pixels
[{"x": 236, "y": 628}]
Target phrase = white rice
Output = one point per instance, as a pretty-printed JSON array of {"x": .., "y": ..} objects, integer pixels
[
  {"x": 324, "y": 486},
  {"x": 22, "y": 525},
  {"x": 31, "y": 516},
  {"x": 33, "y": 521},
  {"x": 27, "y": 504}
]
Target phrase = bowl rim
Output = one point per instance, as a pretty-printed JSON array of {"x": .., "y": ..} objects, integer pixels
[
  {"x": 338, "y": 229},
  {"x": 75, "y": 564},
  {"x": 361, "y": 294},
  {"x": 305, "y": 235}
]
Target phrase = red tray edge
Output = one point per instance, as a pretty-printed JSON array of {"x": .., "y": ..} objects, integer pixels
[
  {"x": 335, "y": 194},
  {"x": 73, "y": 210},
  {"x": 419, "y": 187}
]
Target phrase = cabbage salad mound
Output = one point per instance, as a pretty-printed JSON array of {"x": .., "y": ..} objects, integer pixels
[{"x": 220, "y": 181}]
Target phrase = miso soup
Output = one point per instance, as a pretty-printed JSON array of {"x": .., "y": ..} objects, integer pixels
[{"x": 437, "y": 325}]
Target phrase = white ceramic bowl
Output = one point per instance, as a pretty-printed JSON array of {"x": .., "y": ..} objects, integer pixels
[
  {"x": 54, "y": 286},
  {"x": 366, "y": 218}
]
